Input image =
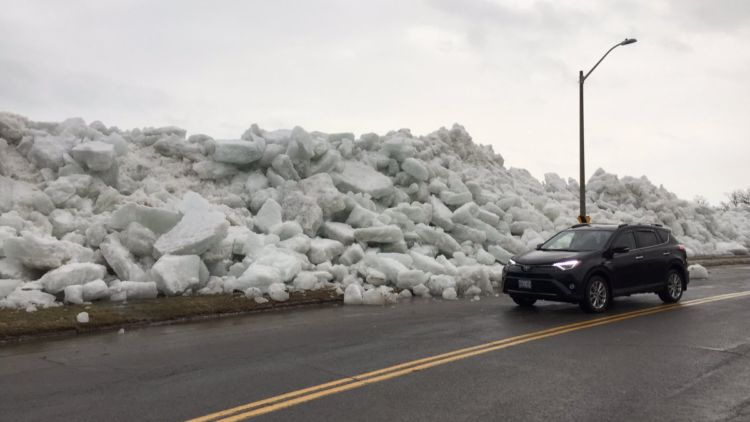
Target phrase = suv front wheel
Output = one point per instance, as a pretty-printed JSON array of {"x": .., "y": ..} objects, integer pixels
[
  {"x": 596, "y": 297},
  {"x": 673, "y": 290}
]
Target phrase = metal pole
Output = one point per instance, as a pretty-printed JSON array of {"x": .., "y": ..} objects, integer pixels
[
  {"x": 582, "y": 199},
  {"x": 581, "y": 80}
]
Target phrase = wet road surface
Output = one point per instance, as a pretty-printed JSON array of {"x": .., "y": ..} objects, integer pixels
[{"x": 690, "y": 363}]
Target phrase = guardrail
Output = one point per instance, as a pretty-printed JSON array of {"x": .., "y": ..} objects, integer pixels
[{"x": 716, "y": 260}]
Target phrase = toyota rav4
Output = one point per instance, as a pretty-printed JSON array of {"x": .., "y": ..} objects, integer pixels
[{"x": 591, "y": 264}]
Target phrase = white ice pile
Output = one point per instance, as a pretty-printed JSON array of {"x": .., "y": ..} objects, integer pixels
[
  {"x": 90, "y": 212},
  {"x": 697, "y": 271}
]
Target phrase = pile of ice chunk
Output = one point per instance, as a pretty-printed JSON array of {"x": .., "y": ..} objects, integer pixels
[
  {"x": 90, "y": 212},
  {"x": 697, "y": 271}
]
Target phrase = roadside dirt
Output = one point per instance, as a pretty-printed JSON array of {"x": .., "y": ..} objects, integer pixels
[
  {"x": 19, "y": 324},
  {"x": 714, "y": 261}
]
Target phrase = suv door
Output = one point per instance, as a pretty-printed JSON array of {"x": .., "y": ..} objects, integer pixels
[
  {"x": 650, "y": 256},
  {"x": 625, "y": 267},
  {"x": 664, "y": 252}
]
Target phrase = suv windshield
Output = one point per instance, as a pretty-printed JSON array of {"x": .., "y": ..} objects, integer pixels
[{"x": 577, "y": 240}]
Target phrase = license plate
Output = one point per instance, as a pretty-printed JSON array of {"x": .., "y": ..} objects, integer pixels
[{"x": 524, "y": 284}]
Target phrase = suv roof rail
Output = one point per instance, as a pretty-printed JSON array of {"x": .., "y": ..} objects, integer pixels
[
  {"x": 580, "y": 225},
  {"x": 657, "y": 225},
  {"x": 622, "y": 225}
]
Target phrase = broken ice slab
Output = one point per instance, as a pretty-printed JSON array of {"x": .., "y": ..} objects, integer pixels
[
  {"x": 238, "y": 151},
  {"x": 361, "y": 178},
  {"x": 95, "y": 155},
  {"x": 158, "y": 220},
  {"x": 196, "y": 233},
  {"x": 56, "y": 280},
  {"x": 118, "y": 257},
  {"x": 379, "y": 234},
  {"x": 177, "y": 274},
  {"x": 45, "y": 252}
]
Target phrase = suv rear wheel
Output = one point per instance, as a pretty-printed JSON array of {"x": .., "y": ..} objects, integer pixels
[
  {"x": 524, "y": 301},
  {"x": 673, "y": 290},
  {"x": 596, "y": 297}
]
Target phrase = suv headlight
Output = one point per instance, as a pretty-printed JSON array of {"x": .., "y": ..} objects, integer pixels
[
  {"x": 511, "y": 261},
  {"x": 567, "y": 265}
]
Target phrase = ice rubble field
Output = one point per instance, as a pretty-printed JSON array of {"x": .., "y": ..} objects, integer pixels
[{"x": 92, "y": 213}]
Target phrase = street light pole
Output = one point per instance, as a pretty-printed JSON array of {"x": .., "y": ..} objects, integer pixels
[
  {"x": 582, "y": 217},
  {"x": 582, "y": 195}
]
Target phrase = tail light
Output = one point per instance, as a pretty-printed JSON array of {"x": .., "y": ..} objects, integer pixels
[{"x": 681, "y": 247}]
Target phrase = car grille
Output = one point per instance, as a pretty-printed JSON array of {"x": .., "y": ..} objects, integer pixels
[
  {"x": 538, "y": 285},
  {"x": 531, "y": 271}
]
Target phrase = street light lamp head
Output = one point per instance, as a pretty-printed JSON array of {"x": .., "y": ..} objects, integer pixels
[{"x": 628, "y": 41}]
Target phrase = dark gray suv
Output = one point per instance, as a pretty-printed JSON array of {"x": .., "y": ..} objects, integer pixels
[{"x": 591, "y": 264}]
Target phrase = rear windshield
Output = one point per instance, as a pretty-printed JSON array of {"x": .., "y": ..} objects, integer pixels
[{"x": 578, "y": 240}]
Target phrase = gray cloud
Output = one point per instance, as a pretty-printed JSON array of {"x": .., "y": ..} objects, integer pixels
[
  {"x": 717, "y": 15},
  {"x": 539, "y": 22},
  {"x": 26, "y": 84}
]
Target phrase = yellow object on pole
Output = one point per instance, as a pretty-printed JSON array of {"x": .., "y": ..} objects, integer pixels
[{"x": 586, "y": 219}]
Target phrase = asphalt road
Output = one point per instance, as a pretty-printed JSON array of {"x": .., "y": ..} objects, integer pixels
[{"x": 690, "y": 363}]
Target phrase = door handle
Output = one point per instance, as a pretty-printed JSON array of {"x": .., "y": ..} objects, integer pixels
[
  {"x": 639, "y": 257},
  {"x": 666, "y": 253}
]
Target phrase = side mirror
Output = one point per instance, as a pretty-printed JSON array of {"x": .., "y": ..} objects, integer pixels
[
  {"x": 620, "y": 249},
  {"x": 539, "y": 246}
]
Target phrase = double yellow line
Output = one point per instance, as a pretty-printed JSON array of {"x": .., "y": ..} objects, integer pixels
[{"x": 292, "y": 398}]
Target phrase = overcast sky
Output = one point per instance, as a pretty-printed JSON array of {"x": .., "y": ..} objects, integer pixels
[{"x": 675, "y": 106}]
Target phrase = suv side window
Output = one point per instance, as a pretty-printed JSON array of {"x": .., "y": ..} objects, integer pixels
[
  {"x": 646, "y": 238},
  {"x": 625, "y": 239},
  {"x": 664, "y": 234}
]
